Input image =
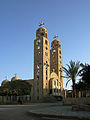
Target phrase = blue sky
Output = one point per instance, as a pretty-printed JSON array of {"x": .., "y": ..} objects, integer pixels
[{"x": 19, "y": 19}]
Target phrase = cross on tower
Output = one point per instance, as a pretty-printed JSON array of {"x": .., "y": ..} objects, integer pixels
[
  {"x": 55, "y": 37},
  {"x": 6, "y": 77},
  {"x": 15, "y": 74},
  {"x": 41, "y": 24}
]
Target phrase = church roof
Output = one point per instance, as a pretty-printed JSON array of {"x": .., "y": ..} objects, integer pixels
[
  {"x": 15, "y": 78},
  {"x": 4, "y": 82}
]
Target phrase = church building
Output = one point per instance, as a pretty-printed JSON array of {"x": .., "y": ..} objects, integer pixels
[
  {"x": 48, "y": 80},
  {"x": 47, "y": 66}
]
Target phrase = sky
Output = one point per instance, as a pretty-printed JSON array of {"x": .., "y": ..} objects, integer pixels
[{"x": 19, "y": 20}]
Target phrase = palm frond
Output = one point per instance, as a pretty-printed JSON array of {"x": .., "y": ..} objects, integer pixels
[{"x": 67, "y": 82}]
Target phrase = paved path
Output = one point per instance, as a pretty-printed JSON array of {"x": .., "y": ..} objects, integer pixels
[
  {"x": 25, "y": 112},
  {"x": 20, "y": 112},
  {"x": 59, "y": 111},
  {"x": 16, "y": 112}
]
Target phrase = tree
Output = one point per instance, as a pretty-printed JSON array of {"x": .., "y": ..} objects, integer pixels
[
  {"x": 71, "y": 73},
  {"x": 17, "y": 87},
  {"x": 80, "y": 86},
  {"x": 85, "y": 75}
]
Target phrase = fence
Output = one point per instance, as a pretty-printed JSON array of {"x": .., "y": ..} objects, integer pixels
[
  {"x": 71, "y": 101},
  {"x": 14, "y": 99}
]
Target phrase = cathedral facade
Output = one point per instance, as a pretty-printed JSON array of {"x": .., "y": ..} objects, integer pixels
[{"x": 48, "y": 78}]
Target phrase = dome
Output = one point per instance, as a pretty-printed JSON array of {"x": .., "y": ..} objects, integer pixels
[
  {"x": 42, "y": 29},
  {"x": 41, "y": 32},
  {"x": 15, "y": 78},
  {"x": 55, "y": 43},
  {"x": 4, "y": 82}
]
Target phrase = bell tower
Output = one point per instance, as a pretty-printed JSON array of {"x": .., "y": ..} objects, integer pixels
[
  {"x": 41, "y": 63},
  {"x": 56, "y": 60}
]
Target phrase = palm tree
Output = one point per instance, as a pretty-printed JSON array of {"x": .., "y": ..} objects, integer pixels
[{"x": 71, "y": 73}]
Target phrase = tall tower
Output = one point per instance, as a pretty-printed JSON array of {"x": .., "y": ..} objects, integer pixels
[
  {"x": 41, "y": 63},
  {"x": 56, "y": 60}
]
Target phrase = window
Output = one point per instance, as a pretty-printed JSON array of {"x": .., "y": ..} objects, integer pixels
[
  {"x": 46, "y": 47},
  {"x": 42, "y": 29},
  {"x": 38, "y": 47},
  {"x": 37, "y": 77},
  {"x": 39, "y": 41},
  {"x": 38, "y": 72},
  {"x": 46, "y": 66},
  {"x": 46, "y": 72},
  {"x": 60, "y": 70},
  {"x": 46, "y": 77},
  {"x": 46, "y": 53},
  {"x": 60, "y": 51},
  {"x": 37, "y": 66},
  {"x": 46, "y": 42},
  {"x": 57, "y": 82},
  {"x": 38, "y": 53},
  {"x": 54, "y": 50},
  {"x": 54, "y": 83}
]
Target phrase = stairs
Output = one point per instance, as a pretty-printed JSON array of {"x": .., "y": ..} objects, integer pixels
[{"x": 49, "y": 99}]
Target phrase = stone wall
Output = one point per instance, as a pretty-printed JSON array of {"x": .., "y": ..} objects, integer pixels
[
  {"x": 71, "y": 101},
  {"x": 15, "y": 99}
]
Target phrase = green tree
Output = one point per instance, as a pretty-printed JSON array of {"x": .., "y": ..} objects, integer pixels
[
  {"x": 18, "y": 87},
  {"x": 80, "y": 86},
  {"x": 71, "y": 73},
  {"x": 85, "y": 76}
]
